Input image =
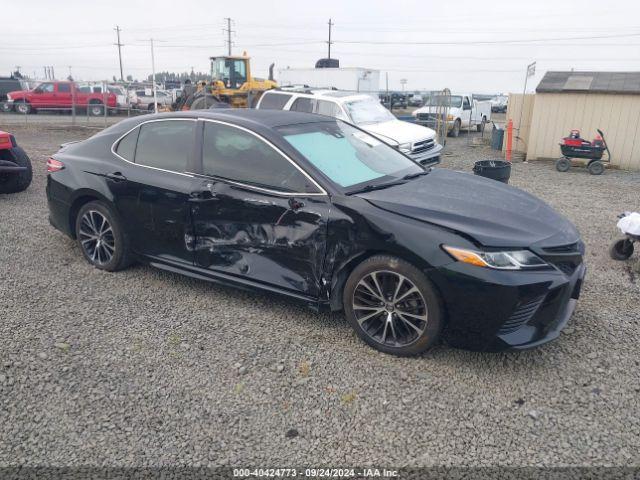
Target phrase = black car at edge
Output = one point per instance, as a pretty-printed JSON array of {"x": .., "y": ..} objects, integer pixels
[{"x": 316, "y": 209}]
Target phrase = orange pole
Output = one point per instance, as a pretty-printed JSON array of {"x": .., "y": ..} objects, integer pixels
[{"x": 509, "y": 139}]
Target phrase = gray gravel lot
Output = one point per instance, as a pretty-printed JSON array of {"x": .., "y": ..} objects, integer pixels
[{"x": 147, "y": 368}]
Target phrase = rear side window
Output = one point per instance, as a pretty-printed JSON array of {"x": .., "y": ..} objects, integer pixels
[
  {"x": 329, "y": 109},
  {"x": 234, "y": 154},
  {"x": 127, "y": 146},
  {"x": 274, "y": 101},
  {"x": 303, "y": 104},
  {"x": 166, "y": 145},
  {"x": 64, "y": 87}
]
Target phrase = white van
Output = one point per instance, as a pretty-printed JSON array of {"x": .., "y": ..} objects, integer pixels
[{"x": 415, "y": 141}]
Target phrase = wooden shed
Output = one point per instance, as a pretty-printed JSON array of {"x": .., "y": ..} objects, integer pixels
[{"x": 587, "y": 101}]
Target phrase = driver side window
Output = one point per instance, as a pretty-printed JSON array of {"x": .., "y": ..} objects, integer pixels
[
  {"x": 46, "y": 88},
  {"x": 234, "y": 154},
  {"x": 465, "y": 104}
]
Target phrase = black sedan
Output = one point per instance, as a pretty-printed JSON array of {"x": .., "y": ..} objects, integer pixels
[{"x": 319, "y": 210}]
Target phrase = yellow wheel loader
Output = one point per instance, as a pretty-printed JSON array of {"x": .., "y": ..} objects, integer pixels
[{"x": 231, "y": 85}]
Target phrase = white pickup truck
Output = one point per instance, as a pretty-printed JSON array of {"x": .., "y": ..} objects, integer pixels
[{"x": 463, "y": 112}]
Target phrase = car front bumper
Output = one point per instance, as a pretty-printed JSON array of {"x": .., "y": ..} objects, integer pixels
[
  {"x": 496, "y": 310},
  {"x": 429, "y": 157}
]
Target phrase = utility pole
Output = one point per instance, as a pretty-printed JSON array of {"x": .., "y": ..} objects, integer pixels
[
  {"x": 120, "y": 45},
  {"x": 229, "y": 32},
  {"x": 329, "y": 42},
  {"x": 153, "y": 79}
]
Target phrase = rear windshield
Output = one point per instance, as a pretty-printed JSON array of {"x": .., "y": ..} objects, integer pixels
[{"x": 274, "y": 101}]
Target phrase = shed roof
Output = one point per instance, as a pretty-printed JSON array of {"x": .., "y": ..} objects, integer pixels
[{"x": 590, "y": 82}]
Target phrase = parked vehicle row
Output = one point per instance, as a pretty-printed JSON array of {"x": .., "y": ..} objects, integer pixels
[
  {"x": 84, "y": 95},
  {"x": 416, "y": 141},
  {"x": 324, "y": 212},
  {"x": 462, "y": 112}
]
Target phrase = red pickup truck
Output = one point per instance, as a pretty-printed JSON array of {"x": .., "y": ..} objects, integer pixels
[{"x": 59, "y": 95}]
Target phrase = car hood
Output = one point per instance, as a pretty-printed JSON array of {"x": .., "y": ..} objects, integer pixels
[
  {"x": 492, "y": 213},
  {"x": 399, "y": 131}
]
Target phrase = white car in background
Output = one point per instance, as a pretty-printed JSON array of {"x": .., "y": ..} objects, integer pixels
[
  {"x": 142, "y": 99},
  {"x": 417, "y": 142},
  {"x": 119, "y": 91}
]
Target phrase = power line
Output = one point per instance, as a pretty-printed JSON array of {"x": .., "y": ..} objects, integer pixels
[{"x": 488, "y": 42}]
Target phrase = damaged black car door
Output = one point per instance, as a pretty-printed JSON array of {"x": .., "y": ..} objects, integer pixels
[{"x": 257, "y": 215}]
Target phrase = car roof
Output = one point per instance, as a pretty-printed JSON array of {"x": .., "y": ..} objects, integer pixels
[
  {"x": 249, "y": 118},
  {"x": 343, "y": 95},
  {"x": 265, "y": 118}
]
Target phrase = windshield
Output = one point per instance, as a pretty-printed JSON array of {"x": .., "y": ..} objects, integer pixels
[
  {"x": 440, "y": 100},
  {"x": 367, "y": 111},
  {"x": 348, "y": 156}
]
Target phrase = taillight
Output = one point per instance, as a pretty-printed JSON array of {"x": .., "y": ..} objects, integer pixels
[{"x": 54, "y": 165}]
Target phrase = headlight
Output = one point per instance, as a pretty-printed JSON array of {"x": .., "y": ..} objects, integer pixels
[
  {"x": 9, "y": 98},
  {"x": 505, "y": 260},
  {"x": 405, "y": 147},
  {"x": 449, "y": 118}
]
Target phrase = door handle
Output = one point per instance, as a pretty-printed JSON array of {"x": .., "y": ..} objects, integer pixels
[{"x": 116, "y": 176}]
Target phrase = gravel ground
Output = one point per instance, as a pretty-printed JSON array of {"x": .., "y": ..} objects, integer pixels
[{"x": 147, "y": 368}]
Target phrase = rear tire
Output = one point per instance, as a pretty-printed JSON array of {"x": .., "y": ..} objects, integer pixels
[
  {"x": 455, "y": 131},
  {"x": 596, "y": 168},
  {"x": 621, "y": 249},
  {"x": 101, "y": 238},
  {"x": 96, "y": 109},
  {"x": 480, "y": 126},
  {"x": 392, "y": 306},
  {"x": 17, "y": 182},
  {"x": 563, "y": 164}
]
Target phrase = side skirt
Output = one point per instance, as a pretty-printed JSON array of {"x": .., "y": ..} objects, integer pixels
[{"x": 230, "y": 280}]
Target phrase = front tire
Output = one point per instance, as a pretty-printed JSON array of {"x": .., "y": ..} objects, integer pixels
[
  {"x": 17, "y": 182},
  {"x": 101, "y": 237},
  {"x": 23, "y": 108},
  {"x": 563, "y": 164},
  {"x": 392, "y": 306}
]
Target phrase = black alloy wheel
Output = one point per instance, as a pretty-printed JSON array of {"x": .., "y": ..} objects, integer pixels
[{"x": 102, "y": 241}]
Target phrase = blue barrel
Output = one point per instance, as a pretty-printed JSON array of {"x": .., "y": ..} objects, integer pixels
[{"x": 497, "y": 137}]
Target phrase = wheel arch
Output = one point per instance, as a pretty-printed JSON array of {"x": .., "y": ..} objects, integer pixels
[
  {"x": 342, "y": 272},
  {"x": 82, "y": 198}
]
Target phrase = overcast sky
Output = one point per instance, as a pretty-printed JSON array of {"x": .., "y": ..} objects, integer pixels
[{"x": 476, "y": 46}]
